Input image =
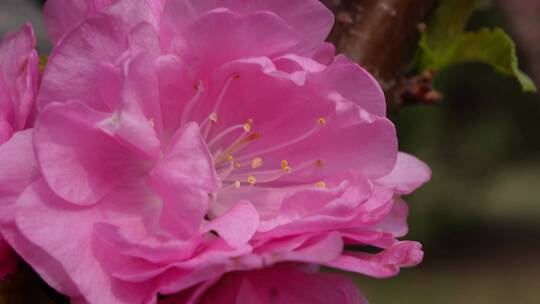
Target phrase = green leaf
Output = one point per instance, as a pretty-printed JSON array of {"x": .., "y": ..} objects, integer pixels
[{"x": 445, "y": 43}]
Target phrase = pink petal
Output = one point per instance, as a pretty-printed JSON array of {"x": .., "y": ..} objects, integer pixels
[
  {"x": 237, "y": 225},
  {"x": 61, "y": 16},
  {"x": 101, "y": 40},
  {"x": 80, "y": 162},
  {"x": 256, "y": 34},
  {"x": 42, "y": 218},
  {"x": 183, "y": 179},
  {"x": 19, "y": 169},
  {"x": 282, "y": 284},
  {"x": 312, "y": 20},
  {"x": 383, "y": 264},
  {"x": 408, "y": 174},
  {"x": 19, "y": 77}
]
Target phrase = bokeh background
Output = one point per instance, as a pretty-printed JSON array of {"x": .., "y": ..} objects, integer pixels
[{"x": 479, "y": 217}]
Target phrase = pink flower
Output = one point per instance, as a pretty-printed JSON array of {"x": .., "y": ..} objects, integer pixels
[
  {"x": 278, "y": 284},
  {"x": 177, "y": 144},
  {"x": 19, "y": 76}
]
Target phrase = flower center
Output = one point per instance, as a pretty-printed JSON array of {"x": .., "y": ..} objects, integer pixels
[{"x": 237, "y": 168}]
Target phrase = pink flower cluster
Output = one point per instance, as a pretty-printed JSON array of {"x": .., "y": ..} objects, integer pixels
[{"x": 213, "y": 151}]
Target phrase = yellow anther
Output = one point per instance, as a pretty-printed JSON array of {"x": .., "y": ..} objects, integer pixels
[
  {"x": 319, "y": 163},
  {"x": 230, "y": 158},
  {"x": 251, "y": 180},
  {"x": 285, "y": 166},
  {"x": 213, "y": 117},
  {"x": 256, "y": 162},
  {"x": 248, "y": 124},
  {"x": 321, "y": 185},
  {"x": 321, "y": 121},
  {"x": 237, "y": 184}
]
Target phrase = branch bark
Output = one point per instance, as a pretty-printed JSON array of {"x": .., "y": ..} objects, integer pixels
[{"x": 382, "y": 36}]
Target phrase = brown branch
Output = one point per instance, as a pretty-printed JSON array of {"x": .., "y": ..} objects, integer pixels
[{"x": 382, "y": 36}]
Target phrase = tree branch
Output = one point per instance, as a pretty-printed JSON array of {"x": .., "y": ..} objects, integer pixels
[{"x": 382, "y": 36}]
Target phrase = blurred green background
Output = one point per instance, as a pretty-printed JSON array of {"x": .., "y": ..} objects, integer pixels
[{"x": 479, "y": 217}]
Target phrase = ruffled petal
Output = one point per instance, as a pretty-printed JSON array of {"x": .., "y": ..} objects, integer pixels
[
  {"x": 408, "y": 174},
  {"x": 183, "y": 180},
  {"x": 19, "y": 78},
  {"x": 42, "y": 218},
  {"x": 80, "y": 162},
  {"x": 279, "y": 284},
  {"x": 309, "y": 18},
  {"x": 384, "y": 264}
]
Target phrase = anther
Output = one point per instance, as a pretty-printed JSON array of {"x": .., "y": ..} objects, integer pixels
[
  {"x": 321, "y": 185},
  {"x": 251, "y": 180},
  {"x": 256, "y": 162},
  {"x": 213, "y": 117},
  {"x": 247, "y": 125},
  {"x": 230, "y": 158},
  {"x": 285, "y": 166},
  {"x": 319, "y": 163},
  {"x": 321, "y": 121}
]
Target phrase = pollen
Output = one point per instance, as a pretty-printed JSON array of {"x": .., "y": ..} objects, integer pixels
[
  {"x": 247, "y": 126},
  {"x": 321, "y": 121},
  {"x": 321, "y": 185},
  {"x": 285, "y": 166},
  {"x": 230, "y": 158},
  {"x": 213, "y": 117},
  {"x": 256, "y": 162},
  {"x": 251, "y": 180}
]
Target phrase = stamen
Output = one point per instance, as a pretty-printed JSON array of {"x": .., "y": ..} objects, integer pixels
[
  {"x": 321, "y": 185},
  {"x": 256, "y": 162},
  {"x": 191, "y": 103},
  {"x": 319, "y": 163},
  {"x": 220, "y": 100},
  {"x": 246, "y": 127},
  {"x": 320, "y": 122},
  {"x": 213, "y": 117},
  {"x": 251, "y": 180},
  {"x": 285, "y": 166},
  {"x": 237, "y": 146}
]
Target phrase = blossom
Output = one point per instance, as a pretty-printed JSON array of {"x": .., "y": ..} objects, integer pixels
[
  {"x": 181, "y": 140},
  {"x": 19, "y": 76},
  {"x": 279, "y": 284}
]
